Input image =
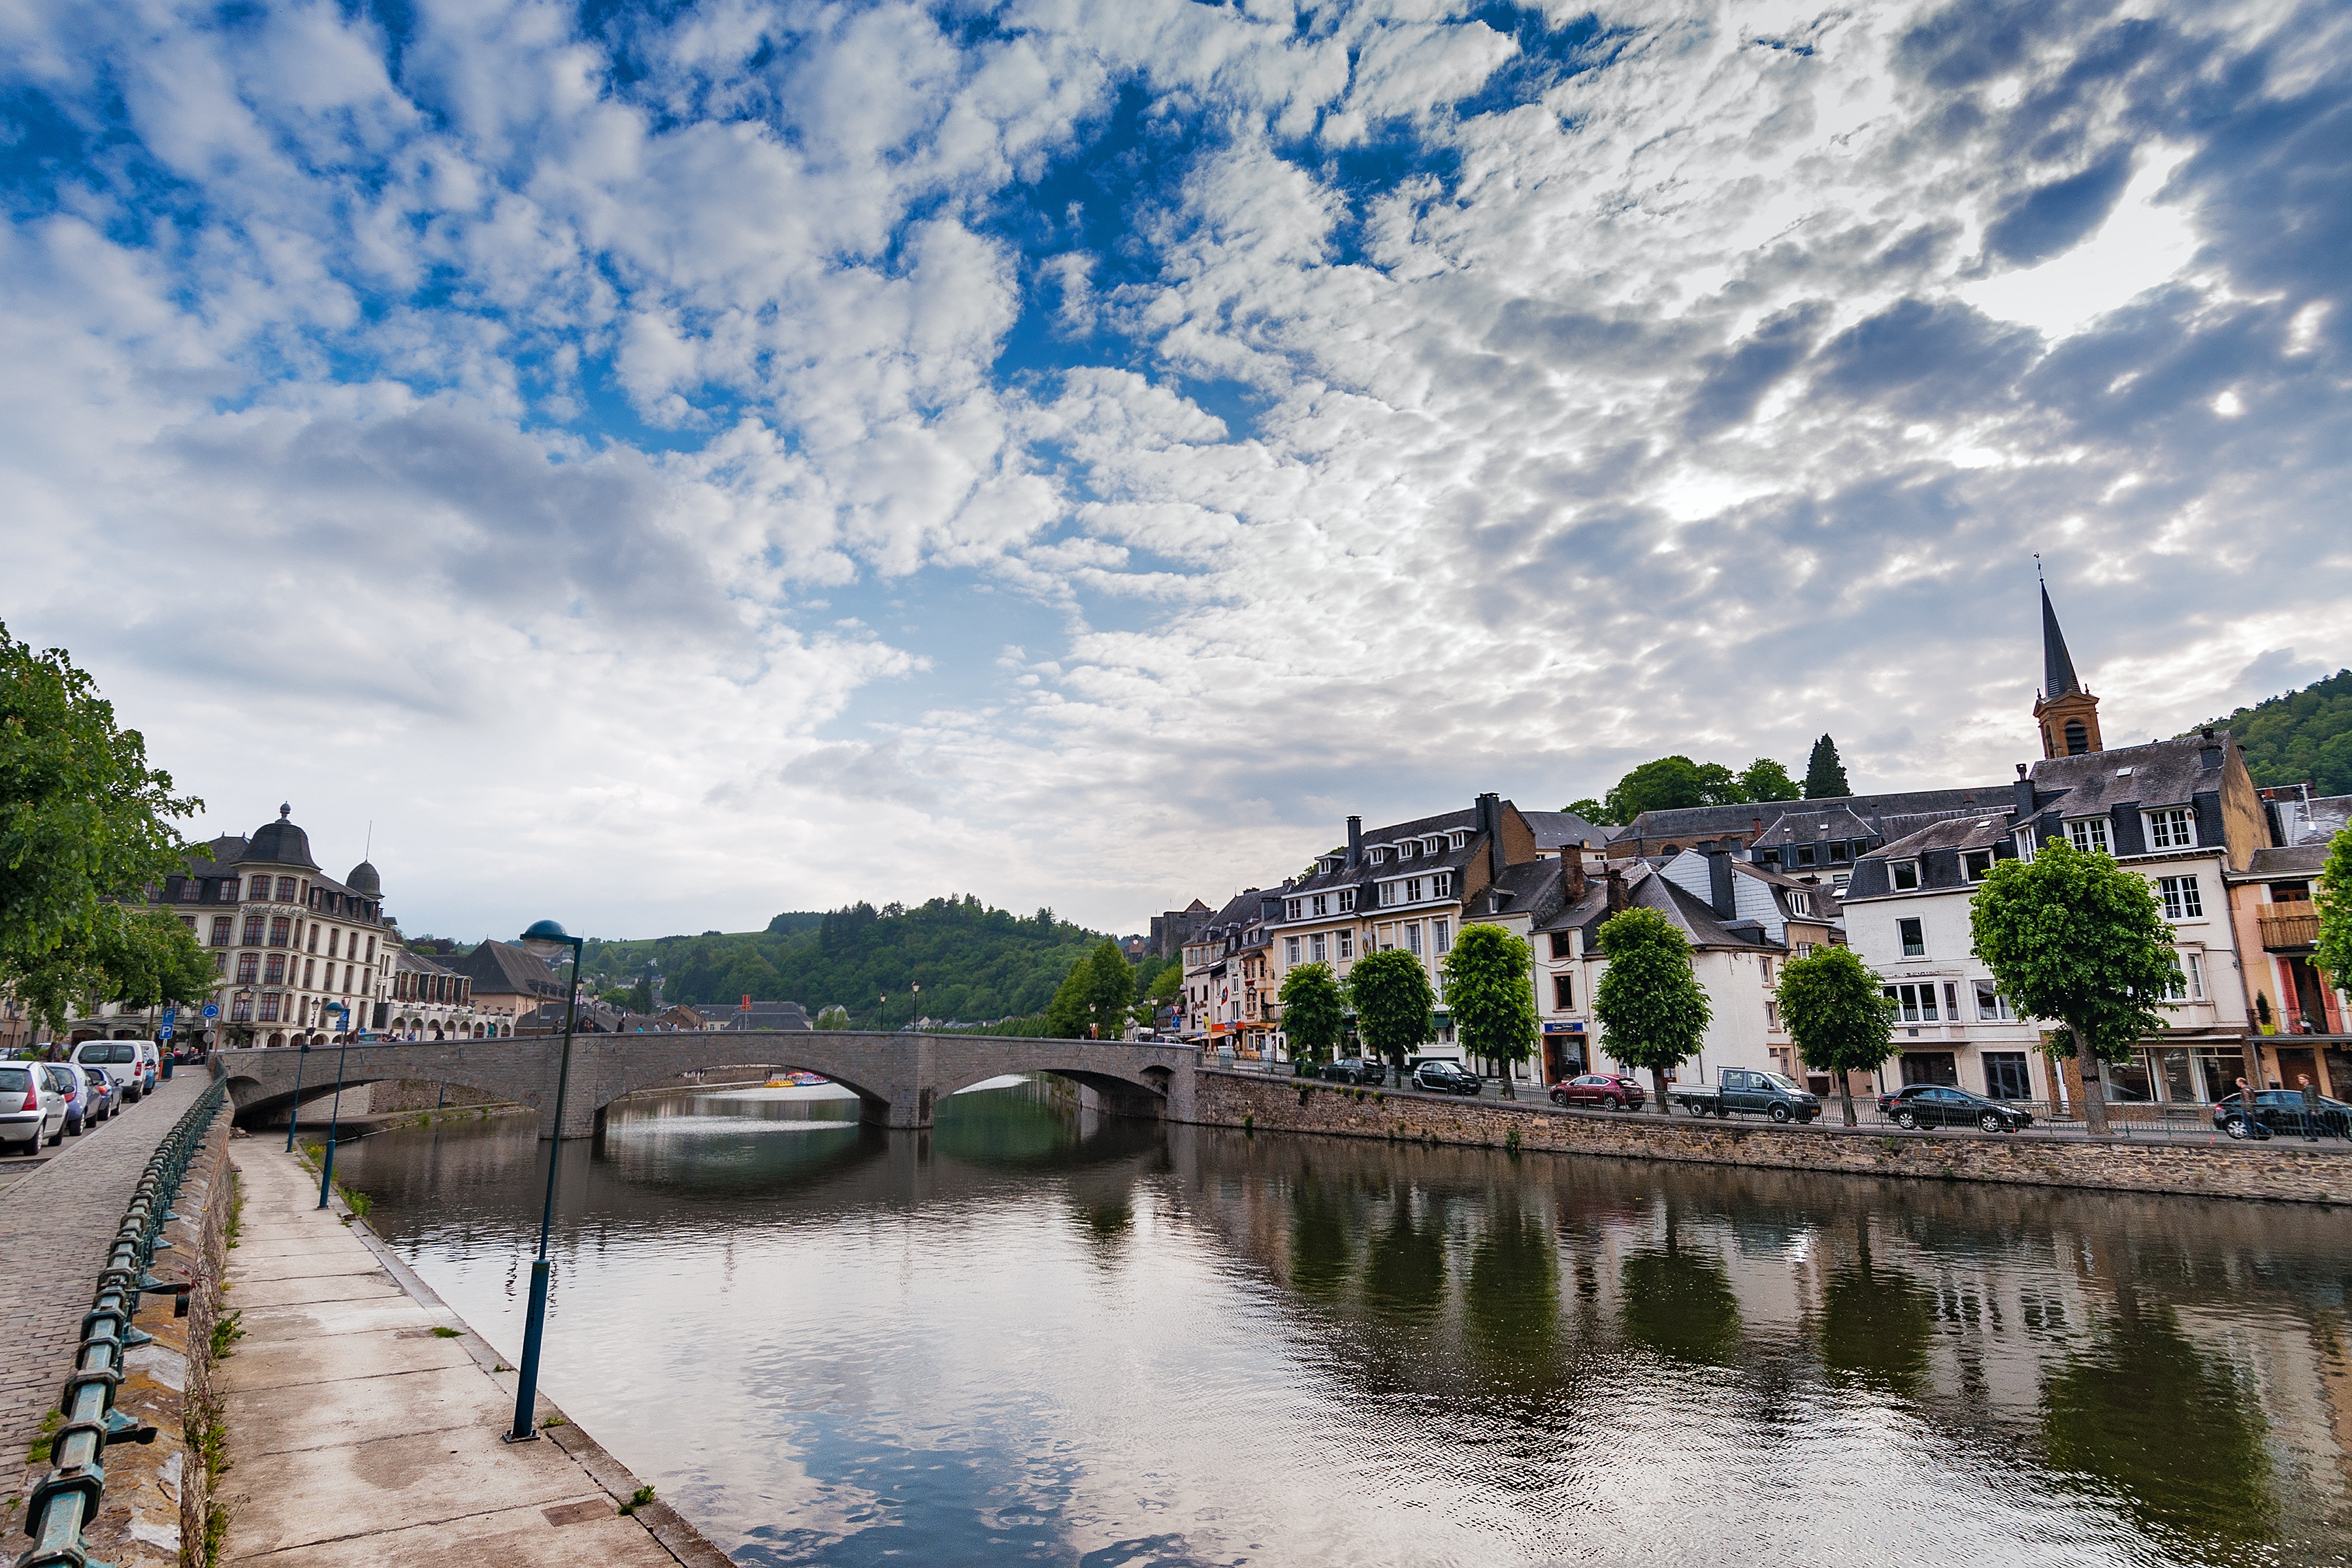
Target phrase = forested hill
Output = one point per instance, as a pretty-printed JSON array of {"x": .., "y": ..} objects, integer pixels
[
  {"x": 2302, "y": 737},
  {"x": 973, "y": 963}
]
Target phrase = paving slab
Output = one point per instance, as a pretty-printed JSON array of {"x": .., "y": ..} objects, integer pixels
[{"x": 358, "y": 1436}]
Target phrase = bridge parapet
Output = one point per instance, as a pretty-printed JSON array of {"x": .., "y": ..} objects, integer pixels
[{"x": 899, "y": 1078}]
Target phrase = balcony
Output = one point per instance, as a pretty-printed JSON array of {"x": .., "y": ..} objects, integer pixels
[{"x": 2290, "y": 933}]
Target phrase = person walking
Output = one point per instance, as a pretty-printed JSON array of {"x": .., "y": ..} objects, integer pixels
[{"x": 2310, "y": 1108}]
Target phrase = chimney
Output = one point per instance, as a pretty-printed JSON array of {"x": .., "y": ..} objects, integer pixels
[
  {"x": 1571, "y": 871},
  {"x": 2210, "y": 755},
  {"x": 2025, "y": 806},
  {"x": 1618, "y": 898},
  {"x": 1355, "y": 841},
  {"x": 1718, "y": 877},
  {"x": 1490, "y": 823}
]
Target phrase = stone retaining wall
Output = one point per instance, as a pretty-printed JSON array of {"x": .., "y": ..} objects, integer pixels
[
  {"x": 415, "y": 1094},
  {"x": 2282, "y": 1169}
]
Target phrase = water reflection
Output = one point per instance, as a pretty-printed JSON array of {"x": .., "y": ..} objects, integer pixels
[{"x": 1029, "y": 1334}]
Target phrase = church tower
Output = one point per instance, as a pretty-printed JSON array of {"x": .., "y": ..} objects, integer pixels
[{"x": 2067, "y": 716}]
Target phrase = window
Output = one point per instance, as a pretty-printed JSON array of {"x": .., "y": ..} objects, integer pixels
[
  {"x": 2005, "y": 1076},
  {"x": 260, "y": 888},
  {"x": 314, "y": 938},
  {"x": 2078, "y": 739},
  {"x": 1459, "y": 839},
  {"x": 1379, "y": 856},
  {"x": 269, "y": 1007},
  {"x": 1431, "y": 846},
  {"x": 2181, "y": 899},
  {"x": 1347, "y": 944},
  {"x": 1321, "y": 904},
  {"x": 277, "y": 975},
  {"x": 1913, "y": 1004},
  {"x": 285, "y": 890},
  {"x": 1562, "y": 945},
  {"x": 1390, "y": 893},
  {"x": 1804, "y": 950},
  {"x": 371, "y": 951},
  {"x": 1442, "y": 935},
  {"x": 1443, "y": 885},
  {"x": 2175, "y": 827},
  {"x": 240, "y": 1009},
  {"x": 1804, "y": 854},
  {"x": 1915, "y": 942},
  {"x": 1977, "y": 864},
  {"x": 1800, "y": 903},
  {"x": 1951, "y": 1001},
  {"x": 221, "y": 930},
  {"x": 280, "y": 930},
  {"x": 1346, "y": 900},
  {"x": 1290, "y": 910},
  {"x": 1771, "y": 1014},
  {"x": 220, "y": 965},
  {"x": 1404, "y": 850},
  {"x": 2088, "y": 834},
  {"x": 1315, "y": 947},
  {"x": 1768, "y": 971},
  {"x": 1289, "y": 950},
  {"x": 1413, "y": 938},
  {"x": 1905, "y": 874},
  {"x": 1991, "y": 1006},
  {"x": 1839, "y": 854},
  {"x": 1564, "y": 993},
  {"x": 249, "y": 968},
  {"x": 2195, "y": 965},
  {"x": 309, "y": 974},
  {"x": 335, "y": 935},
  {"x": 1412, "y": 890},
  {"x": 2025, "y": 845}
]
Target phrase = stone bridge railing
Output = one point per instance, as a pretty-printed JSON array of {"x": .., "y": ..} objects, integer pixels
[{"x": 900, "y": 1078}]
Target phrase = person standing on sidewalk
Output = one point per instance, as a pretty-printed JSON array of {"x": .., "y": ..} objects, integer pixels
[{"x": 2310, "y": 1108}]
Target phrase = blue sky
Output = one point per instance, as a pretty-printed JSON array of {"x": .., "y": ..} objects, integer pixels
[{"x": 659, "y": 466}]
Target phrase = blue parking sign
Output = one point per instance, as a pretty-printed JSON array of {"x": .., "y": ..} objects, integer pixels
[{"x": 162, "y": 1031}]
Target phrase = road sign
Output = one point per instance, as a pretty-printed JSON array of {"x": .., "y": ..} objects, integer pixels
[
  {"x": 171, "y": 1014},
  {"x": 162, "y": 1031},
  {"x": 212, "y": 1011}
]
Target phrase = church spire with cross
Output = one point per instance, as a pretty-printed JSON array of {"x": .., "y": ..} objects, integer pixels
[{"x": 2066, "y": 714}]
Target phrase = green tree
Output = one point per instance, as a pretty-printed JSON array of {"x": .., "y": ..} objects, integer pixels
[
  {"x": 1835, "y": 1010},
  {"x": 1094, "y": 999},
  {"x": 2335, "y": 953},
  {"x": 1490, "y": 989},
  {"x": 1593, "y": 811},
  {"x": 2075, "y": 939},
  {"x": 1825, "y": 774},
  {"x": 1313, "y": 1011},
  {"x": 641, "y": 995},
  {"x": 1768, "y": 780},
  {"x": 834, "y": 1017},
  {"x": 2299, "y": 737},
  {"x": 84, "y": 824},
  {"x": 1651, "y": 1010},
  {"x": 615, "y": 996},
  {"x": 1393, "y": 1004}
]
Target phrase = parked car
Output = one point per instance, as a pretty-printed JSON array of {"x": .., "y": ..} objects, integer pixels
[
  {"x": 1445, "y": 1078},
  {"x": 120, "y": 1060},
  {"x": 150, "y": 1062},
  {"x": 2280, "y": 1110},
  {"x": 1356, "y": 1069},
  {"x": 68, "y": 1081},
  {"x": 31, "y": 1109},
  {"x": 1941, "y": 1105},
  {"x": 1750, "y": 1093},
  {"x": 1615, "y": 1090},
  {"x": 103, "y": 1098}
]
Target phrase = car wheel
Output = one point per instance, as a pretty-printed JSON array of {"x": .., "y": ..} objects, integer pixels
[
  {"x": 1558, "y": 1099},
  {"x": 73, "y": 1127},
  {"x": 1614, "y": 1103},
  {"x": 2236, "y": 1126},
  {"x": 1991, "y": 1121},
  {"x": 1907, "y": 1120},
  {"x": 1778, "y": 1113}
]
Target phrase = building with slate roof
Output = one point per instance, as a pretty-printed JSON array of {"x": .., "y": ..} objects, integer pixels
[
  {"x": 1820, "y": 838},
  {"x": 508, "y": 983},
  {"x": 2273, "y": 905}
]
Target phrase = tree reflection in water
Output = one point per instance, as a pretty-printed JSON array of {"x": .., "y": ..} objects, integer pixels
[
  {"x": 1875, "y": 1322},
  {"x": 1404, "y": 1278},
  {"x": 2174, "y": 1430},
  {"x": 1679, "y": 1302},
  {"x": 1322, "y": 1253},
  {"x": 1511, "y": 1299}
]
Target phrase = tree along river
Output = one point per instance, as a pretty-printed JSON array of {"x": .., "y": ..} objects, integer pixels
[{"x": 1031, "y": 1336}]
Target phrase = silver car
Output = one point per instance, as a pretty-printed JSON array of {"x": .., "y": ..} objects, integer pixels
[{"x": 30, "y": 1109}]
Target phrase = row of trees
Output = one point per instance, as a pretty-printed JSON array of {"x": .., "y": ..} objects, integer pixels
[
  {"x": 1669, "y": 783},
  {"x": 85, "y": 828}
]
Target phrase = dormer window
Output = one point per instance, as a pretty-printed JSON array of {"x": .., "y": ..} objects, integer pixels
[
  {"x": 1906, "y": 875},
  {"x": 1379, "y": 857},
  {"x": 1978, "y": 864},
  {"x": 1800, "y": 903},
  {"x": 2088, "y": 834},
  {"x": 2174, "y": 828},
  {"x": 1458, "y": 838},
  {"x": 1431, "y": 846},
  {"x": 1838, "y": 853}
]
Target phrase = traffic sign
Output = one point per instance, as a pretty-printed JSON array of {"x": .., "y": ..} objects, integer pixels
[
  {"x": 171, "y": 1014},
  {"x": 162, "y": 1031},
  {"x": 212, "y": 1011}
]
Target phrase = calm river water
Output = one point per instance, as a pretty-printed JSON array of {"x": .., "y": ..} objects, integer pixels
[{"x": 1021, "y": 1337}]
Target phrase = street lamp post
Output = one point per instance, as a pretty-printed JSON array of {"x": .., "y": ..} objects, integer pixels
[
  {"x": 294, "y": 1116},
  {"x": 545, "y": 940},
  {"x": 334, "y": 1117}
]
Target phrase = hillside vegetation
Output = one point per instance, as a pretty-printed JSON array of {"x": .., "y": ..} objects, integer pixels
[
  {"x": 2302, "y": 737},
  {"x": 972, "y": 963}
]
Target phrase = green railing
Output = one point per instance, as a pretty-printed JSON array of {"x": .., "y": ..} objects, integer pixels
[{"x": 67, "y": 1499}]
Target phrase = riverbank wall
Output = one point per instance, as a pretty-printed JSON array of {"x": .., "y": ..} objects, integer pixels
[{"x": 2283, "y": 1170}]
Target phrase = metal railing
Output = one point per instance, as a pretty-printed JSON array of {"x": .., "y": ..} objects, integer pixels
[{"x": 67, "y": 1499}]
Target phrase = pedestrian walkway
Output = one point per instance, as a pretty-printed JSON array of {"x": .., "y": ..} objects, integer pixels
[
  {"x": 56, "y": 1228},
  {"x": 364, "y": 1420}
]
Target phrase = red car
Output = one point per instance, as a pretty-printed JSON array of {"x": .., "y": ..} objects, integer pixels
[{"x": 1615, "y": 1090}]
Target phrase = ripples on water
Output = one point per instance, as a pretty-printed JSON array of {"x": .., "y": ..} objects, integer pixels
[{"x": 1027, "y": 1337}]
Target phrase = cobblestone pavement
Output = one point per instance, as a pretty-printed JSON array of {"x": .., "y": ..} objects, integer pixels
[{"x": 55, "y": 1228}]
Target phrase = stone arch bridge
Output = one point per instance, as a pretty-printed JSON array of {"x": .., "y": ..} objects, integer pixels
[{"x": 900, "y": 1078}]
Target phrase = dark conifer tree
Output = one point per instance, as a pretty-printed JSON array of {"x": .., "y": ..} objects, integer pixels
[{"x": 1825, "y": 775}]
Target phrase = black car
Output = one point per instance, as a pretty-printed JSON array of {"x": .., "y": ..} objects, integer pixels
[
  {"x": 1356, "y": 1069},
  {"x": 2280, "y": 1110},
  {"x": 1445, "y": 1078},
  {"x": 1940, "y": 1105}
]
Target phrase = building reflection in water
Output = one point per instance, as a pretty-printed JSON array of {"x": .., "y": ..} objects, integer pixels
[{"x": 1028, "y": 1333}]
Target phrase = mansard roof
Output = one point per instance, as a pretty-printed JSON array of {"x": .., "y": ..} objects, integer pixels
[
  {"x": 500, "y": 968},
  {"x": 2161, "y": 773},
  {"x": 1696, "y": 822},
  {"x": 1951, "y": 833}
]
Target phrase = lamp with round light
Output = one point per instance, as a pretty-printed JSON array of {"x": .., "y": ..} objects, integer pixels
[{"x": 547, "y": 941}]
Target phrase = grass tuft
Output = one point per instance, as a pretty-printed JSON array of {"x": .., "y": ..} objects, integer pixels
[
  {"x": 226, "y": 1331},
  {"x": 637, "y": 1499},
  {"x": 442, "y": 1331}
]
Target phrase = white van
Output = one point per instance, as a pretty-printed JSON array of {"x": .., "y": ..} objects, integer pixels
[
  {"x": 121, "y": 1061},
  {"x": 150, "y": 1061}
]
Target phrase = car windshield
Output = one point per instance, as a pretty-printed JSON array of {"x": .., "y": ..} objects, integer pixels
[
  {"x": 14, "y": 1080},
  {"x": 1787, "y": 1083}
]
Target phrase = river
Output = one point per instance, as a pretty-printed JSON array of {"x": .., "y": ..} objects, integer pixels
[{"x": 1030, "y": 1336}]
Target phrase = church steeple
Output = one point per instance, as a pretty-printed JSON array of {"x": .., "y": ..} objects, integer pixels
[{"x": 2067, "y": 715}]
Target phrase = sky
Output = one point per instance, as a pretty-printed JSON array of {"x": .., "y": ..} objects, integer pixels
[{"x": 657, "y": 465}]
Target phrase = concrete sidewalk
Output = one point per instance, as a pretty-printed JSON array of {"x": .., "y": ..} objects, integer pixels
[{"x": 357, "y": 1434}]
